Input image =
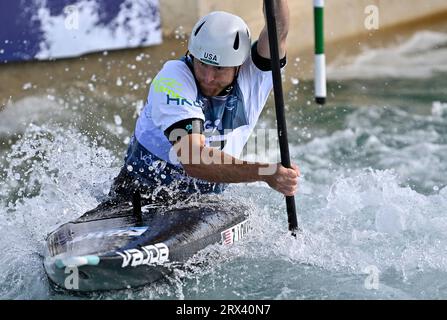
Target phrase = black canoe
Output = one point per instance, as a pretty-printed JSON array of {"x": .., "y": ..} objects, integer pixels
[{"x": 117, "y": 245}]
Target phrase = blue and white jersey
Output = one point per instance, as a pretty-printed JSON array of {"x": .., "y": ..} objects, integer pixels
[{"x": 174, "y": 96}]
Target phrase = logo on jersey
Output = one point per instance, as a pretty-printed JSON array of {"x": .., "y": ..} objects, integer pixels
[
  {"x": 182, "y": 101},
  {"x": 235, "y": 233},
  {"x": 170, "y": 86},
  {"x": 173, "y": 90},
  {"x": 210, "y": 126},
  {"x": 231, "y": 103}
]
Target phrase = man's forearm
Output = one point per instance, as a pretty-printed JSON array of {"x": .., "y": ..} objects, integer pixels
[
  {"x": 282, "y": 27},
  {"x": 216, "y": 166},
  {"x": 282, "y": 18}
]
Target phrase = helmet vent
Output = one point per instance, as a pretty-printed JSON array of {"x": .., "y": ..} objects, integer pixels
[
  {"x": 236, "y": 42},
  {"x": 198, "y": 28}
]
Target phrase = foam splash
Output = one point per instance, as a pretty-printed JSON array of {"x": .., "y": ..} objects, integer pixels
[
  {"x": 381, "y": 138},
  {"x": 71, "y": 111},
  {"x": 439, "y": 109},
  {"x": 51, "y": 175},
  {"x": 16, "y": 116},
  {"x": 421, "y": 56},
  {"x": 367, "y": 222},
  {"x": 370, "y": 219},
  {"x": 354, "y": 220}
]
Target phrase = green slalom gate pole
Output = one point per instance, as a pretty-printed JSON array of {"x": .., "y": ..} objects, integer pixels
[{"x": 320, "y": 58}]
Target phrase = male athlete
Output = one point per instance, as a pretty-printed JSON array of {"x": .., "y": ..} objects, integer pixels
[{"x": 200, "y": 112}]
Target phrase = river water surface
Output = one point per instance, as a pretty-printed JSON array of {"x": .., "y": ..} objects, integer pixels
[{"x": 372, "y": 203}]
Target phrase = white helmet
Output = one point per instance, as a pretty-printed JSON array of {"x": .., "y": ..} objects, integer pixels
[{"x": 220, "y": 39}]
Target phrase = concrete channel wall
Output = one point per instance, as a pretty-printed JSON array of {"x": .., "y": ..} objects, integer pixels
[{"x": 343, "y": 18}]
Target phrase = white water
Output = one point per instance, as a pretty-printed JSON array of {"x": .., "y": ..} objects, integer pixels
[
  {"x": 421, "y": 56},
  {"x": 372, "y": 205},
  {"x": 52, "y": 175},
  {"x": 352, "y": 220}
]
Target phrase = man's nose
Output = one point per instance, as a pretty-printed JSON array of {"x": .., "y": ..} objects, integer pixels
[{"x": 209, "y": 74}]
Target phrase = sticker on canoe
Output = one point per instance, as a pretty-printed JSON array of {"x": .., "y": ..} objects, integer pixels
[
  {"x": 121, "y": 232},
  {"x": 235, "y": 233},
  {"x": 152, "y": 254}
]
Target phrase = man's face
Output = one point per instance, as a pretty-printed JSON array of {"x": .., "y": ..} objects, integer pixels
[{"x": 213, "y": 79}]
